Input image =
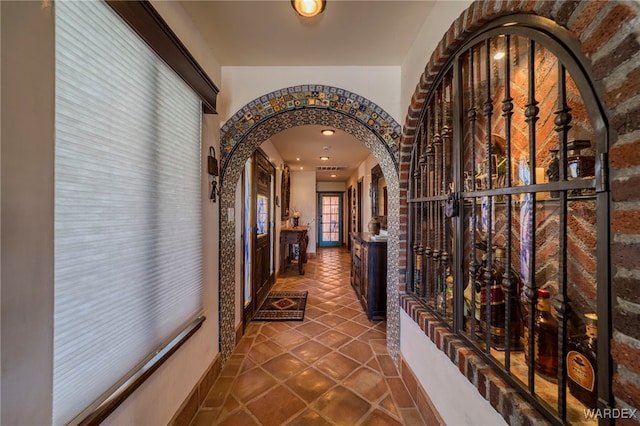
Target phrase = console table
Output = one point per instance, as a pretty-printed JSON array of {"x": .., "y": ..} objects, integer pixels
[{"x": 289, "y": 237}]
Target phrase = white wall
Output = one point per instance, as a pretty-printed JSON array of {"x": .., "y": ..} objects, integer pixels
[
  {"x": 304, "y": 200},
  {"x": 27, "y": 35},
  {"x": 454, "y": 397},
  {"x": 363, "y": 173},
  {"x": 380, "y": 85},
  {"x": 443, "y": 14},
  {"x": 180, "y": 23},
  {"x": 331, "y": 187}
]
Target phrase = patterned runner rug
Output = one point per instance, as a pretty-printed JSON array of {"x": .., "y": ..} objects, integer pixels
[{"x": 283, "y": 306}]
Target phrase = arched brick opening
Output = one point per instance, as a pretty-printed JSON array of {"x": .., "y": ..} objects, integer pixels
[
  {"x": 295, "y": 106},
  {"x": 608, "y": 34}
]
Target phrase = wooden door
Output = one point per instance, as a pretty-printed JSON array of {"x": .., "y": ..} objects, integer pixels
[{"x": 260, "y": 239}]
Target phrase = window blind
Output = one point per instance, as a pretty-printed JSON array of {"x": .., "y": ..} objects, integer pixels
[{"x": 128, "y": 245}]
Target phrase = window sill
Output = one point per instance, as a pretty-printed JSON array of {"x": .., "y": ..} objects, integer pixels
[{"x": 99, "y": 411}]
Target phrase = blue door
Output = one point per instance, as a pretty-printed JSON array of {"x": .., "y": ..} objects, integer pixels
[{"x": 329, "y": 219}]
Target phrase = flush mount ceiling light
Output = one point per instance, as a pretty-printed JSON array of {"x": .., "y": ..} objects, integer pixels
[
  {"x": 324, "y": 158},
  {"x": 327, "y": 132},
  {"x": 308, "y": 8}
]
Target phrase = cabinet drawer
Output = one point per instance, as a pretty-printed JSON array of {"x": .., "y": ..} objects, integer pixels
[{"x": 357, "y": 249}]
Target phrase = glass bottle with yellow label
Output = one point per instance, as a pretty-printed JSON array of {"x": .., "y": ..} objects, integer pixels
[{"x": 581, "y": 363}]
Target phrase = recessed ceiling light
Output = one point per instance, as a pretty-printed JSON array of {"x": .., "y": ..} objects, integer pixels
[
  {"x": 308, "y": 8},
  {"x": 324, "y": 158},
  {"x": 334, "y": 175},
  {"x": 298, "y": 159},
  {"x": 327, "y": 132},
  {"x": 498, "y": 55}
]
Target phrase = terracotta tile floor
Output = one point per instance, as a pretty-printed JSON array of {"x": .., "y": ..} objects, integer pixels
[{"x": 333, "y": 368}]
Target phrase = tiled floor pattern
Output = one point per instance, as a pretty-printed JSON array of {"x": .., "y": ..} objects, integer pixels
[{"x": 330, "y": 369}]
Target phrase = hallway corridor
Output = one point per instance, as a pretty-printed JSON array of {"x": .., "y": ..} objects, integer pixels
[{"x": 330, "y": 369}]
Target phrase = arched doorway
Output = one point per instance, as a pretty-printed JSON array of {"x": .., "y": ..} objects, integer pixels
[{"x": 291, "y": 107}]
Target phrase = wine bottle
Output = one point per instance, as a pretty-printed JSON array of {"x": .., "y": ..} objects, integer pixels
[{"x": 581, "y": 363}]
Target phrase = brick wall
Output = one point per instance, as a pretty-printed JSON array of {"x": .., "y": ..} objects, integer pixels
[{"x": 607, "y": 33}]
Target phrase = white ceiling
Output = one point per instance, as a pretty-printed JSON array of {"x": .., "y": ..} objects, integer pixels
[
  {"x": 301, "y": 148},
  {"x": 347, "y": 33}
]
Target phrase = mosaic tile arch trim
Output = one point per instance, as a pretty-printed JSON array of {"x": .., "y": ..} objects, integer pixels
[
  {"x": 309, "y": 96},
  {"x": 235, "y": 157}
]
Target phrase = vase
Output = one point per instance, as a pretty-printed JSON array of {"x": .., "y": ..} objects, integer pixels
[{"x": 374, "y": 225}]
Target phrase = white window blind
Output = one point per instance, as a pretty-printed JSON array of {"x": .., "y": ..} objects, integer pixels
[{"x": 128, "y": 246}]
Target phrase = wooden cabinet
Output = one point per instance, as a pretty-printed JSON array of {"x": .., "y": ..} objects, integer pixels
[{"x": 369, "y": 274}]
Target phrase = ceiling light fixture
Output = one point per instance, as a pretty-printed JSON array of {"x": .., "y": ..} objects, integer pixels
[
  {"x": 327, "y": 132},
  {"x": 499, "y": 55},
  {"x": 308, "y": 8},
  {"x": 324, "y": 158},
  {"x": 334, "y": 175}
]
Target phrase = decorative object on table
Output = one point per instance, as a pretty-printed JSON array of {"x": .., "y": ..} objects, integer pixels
[
  {"x": 553, "y": 170},
  {"x": 283, "y": 306},
  {"x": 374, "y": 225},
  {"x": 295, "y": 219}
]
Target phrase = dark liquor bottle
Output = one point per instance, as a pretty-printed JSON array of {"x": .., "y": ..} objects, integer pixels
[
  {"x": 581, "y": 364},
  {"x": 499, "y": 307},
  {"x": 492, "y": 304},
  {"x": 545, "y": 337}
]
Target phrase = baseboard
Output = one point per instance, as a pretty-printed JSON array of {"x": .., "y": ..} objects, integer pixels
[
  {"x": 191, "y": 405},
  {"x": 239, "y": 332}
]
